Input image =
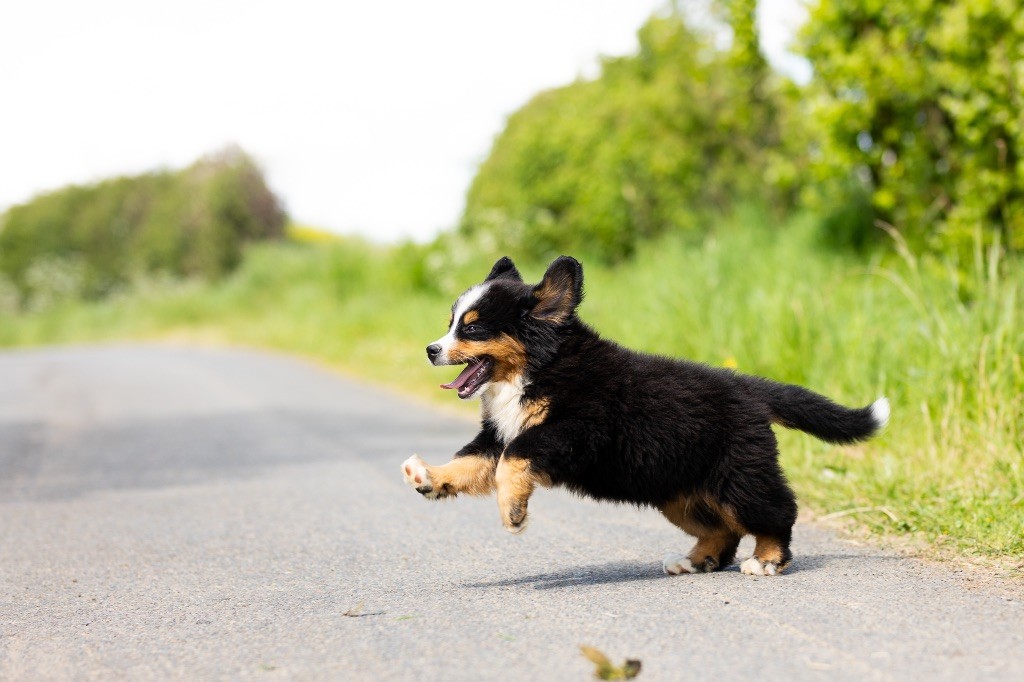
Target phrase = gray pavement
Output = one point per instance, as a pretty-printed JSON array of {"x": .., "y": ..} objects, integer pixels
[{"x": 201, "y": 514}]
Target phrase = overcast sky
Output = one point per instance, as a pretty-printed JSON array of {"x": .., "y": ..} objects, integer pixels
[{"x": 368, "y": 117}]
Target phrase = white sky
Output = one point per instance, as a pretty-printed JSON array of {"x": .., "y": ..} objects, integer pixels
[{"x": 368, "y": 117}]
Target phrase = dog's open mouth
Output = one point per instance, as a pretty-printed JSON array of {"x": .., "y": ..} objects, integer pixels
[{"x": 472, "y": 378}]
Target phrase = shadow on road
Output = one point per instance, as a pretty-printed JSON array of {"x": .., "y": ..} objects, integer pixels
[
  {"x": 814, "y": 562},
  {"x": 597, "y": 574},
  {"x": 632, "y": 571}
]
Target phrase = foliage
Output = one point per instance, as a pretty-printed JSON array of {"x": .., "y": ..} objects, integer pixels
[
  {"x": 307, "y": 234},
  {"x": 88, "y": 241},
  {"x": 913, "y": 117},
  {"x": 918, "y": 106},
  {"x": 658, "y": 142},
  {"x": 949, "y": 468}
]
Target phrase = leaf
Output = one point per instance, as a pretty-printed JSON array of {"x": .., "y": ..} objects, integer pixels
[
  {"x": 355, "y": 610},
  {"x": 595, "y": 656},
  {"x": 605, "y": 670}
]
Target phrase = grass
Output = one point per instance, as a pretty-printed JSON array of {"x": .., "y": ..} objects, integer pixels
[{"x": 949, "y": 471}]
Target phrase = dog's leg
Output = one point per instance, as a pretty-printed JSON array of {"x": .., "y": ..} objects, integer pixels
[
  {"x": 532, "y": 459},
  {"x": 761, "y": 502},
  {"x": 516, "y": 481},
  {"x": 469, "y": 474},
  {"x": 717, "y": 532},
  {"x": 771, "y": 520},
  {"x": 771, "y": 555},
  {"x": 714, "y": 551}
]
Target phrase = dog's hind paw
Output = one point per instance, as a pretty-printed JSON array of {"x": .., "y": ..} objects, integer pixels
[
  {"x": 754, "y": 566},
  {"x": 414, "y": 470},
  {"x": 677, "y": 564}
]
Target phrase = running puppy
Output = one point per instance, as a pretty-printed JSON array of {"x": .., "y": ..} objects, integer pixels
[{"x": 561, "y": 406}]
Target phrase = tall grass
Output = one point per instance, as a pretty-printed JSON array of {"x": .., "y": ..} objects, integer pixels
[{"x": 949, "y": 469}]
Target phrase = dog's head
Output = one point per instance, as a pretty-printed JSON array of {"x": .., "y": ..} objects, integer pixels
[{"x": 502, "y": 327}]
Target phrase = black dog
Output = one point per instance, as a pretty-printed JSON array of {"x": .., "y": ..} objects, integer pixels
[{"x": 561, "y": 406}]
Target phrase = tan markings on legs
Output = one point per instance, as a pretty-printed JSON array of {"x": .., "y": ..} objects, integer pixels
[
  {"x": 727, "y": 514},
  {"x": 768, "y": 549},
  {"x": 769, "y": 554},
  {"x": 515, "y": 483},
  {"x": 714, "y": 551},
  {"x": 715, "y": 526},
  {"x": 677, "y": 513},
  {"x": 691, "y": 514},
  {"x": 472, "y": 474}
]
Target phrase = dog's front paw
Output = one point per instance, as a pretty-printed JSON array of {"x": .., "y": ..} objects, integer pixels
[
  {"x": 514, "y": 516},
  {"x": 414, "y": 470}
]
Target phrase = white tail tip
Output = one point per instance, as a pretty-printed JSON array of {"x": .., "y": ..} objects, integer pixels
[{"x": 880, "y": 412}]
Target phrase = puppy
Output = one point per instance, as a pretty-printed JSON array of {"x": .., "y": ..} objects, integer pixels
[{"x": 560, "y": 406}]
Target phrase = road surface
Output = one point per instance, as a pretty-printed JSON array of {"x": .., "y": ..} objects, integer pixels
[{"x": 209, "y": 514}]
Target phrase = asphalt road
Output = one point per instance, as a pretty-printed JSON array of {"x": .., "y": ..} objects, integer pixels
[{"x": 200, "y": 514}]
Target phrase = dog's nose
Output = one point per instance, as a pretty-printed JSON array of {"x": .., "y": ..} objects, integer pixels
[{"x": 432, "y": 351}]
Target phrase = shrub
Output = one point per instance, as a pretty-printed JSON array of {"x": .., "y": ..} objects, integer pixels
[
  {"x": 95, "y": 239},
  {"x": 657, "y": 142},
  {"x": 918, "y": 102}
]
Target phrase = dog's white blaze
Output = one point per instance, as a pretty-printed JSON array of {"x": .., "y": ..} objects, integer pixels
[
  {"x": 880, "y": 412},
  {"x": 503, "y": 407},
  {"x": 462, "y": 306}
]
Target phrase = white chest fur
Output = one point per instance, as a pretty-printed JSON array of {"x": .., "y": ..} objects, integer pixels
[{"x": 503, "y": 408}]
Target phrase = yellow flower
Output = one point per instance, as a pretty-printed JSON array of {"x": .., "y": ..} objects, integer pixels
[{"x": 730, "y": 362}]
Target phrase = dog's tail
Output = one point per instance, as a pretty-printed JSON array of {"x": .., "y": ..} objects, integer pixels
[{"x": 796, "y": 407}]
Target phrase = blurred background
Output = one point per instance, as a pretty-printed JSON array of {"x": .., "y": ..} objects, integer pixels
[{"x": 829, "y": 193}]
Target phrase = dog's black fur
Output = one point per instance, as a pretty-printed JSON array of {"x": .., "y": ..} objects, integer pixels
[{"x": 614, "y": 424}]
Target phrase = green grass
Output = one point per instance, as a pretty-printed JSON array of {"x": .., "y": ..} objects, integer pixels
[{"x": 949, "y": 470}]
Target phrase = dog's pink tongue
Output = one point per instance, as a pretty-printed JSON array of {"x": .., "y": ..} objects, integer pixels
[{"x": 459, "y": 381}]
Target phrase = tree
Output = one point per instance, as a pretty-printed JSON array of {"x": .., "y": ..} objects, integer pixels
[
  {"x": 92, "y": 240},
  {"x": 658, "y": 142},
  {"x": 919, "y": 107}
]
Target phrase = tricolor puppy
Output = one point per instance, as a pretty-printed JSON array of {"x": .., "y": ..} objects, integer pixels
[{"x": 561, "y": 406}]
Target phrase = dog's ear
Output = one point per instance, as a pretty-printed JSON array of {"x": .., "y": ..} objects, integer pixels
[
  {"x": 504, "y": 268},
  {"x": 561, "y": 290}
]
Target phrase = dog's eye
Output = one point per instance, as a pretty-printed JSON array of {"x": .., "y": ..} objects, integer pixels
[{"x": 471, "y": 329}]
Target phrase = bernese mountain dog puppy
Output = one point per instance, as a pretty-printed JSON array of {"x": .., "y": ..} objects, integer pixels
[{"x": 560, "y": 406}]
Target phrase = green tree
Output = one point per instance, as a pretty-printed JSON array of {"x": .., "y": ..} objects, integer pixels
[
  {"x": 919, "y": 104},
  {"x": 658, "y": 142},
  {"x": 95, "y": 239}
]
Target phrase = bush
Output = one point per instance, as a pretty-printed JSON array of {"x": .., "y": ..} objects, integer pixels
[
  {"x": 86, "y": 242},
  {"x": 659, "y": 141},
  {"x": 918, "y": 102}
]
